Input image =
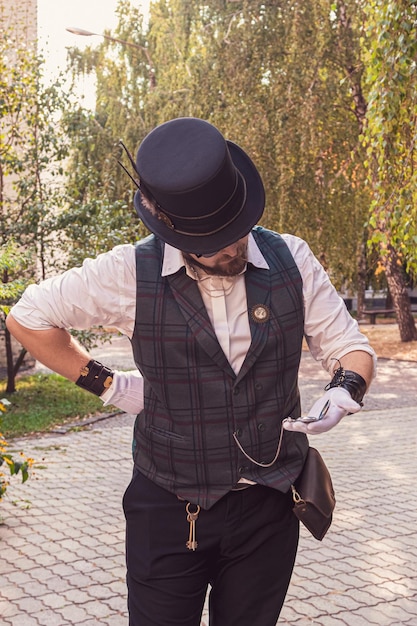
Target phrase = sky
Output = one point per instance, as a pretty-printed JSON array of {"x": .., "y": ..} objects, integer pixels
[{"x": 54, "y": 16}]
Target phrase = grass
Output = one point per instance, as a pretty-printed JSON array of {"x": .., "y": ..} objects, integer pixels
[{"x": 43, "y": 401}]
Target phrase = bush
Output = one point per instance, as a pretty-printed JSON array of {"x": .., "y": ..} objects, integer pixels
[{"x": 22, "y": 465}]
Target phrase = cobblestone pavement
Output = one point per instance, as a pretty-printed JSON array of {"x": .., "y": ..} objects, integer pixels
[{"x": 62, "y": 537}]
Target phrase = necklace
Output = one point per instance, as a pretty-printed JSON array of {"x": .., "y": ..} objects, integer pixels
[{"x": 213, "y": 285}]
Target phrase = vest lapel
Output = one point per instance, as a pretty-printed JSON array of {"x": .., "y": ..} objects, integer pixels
[
  {"x": 258, "y": 292},
  {"x": 191, "y": 305}
]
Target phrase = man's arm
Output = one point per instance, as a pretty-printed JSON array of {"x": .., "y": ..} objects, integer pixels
[
  {"x": 55, "y": 348},
  {"x": 353, "y": 374},
  {"x": 360, "y": 362}
]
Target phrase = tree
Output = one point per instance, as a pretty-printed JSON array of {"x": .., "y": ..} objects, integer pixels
[
  {"x": 100, "y": 212},
  {"x": 271, "y": 76},
  {"x": 32, "y": 150},
  {"x": 15, "y": 267},
  {"x": 390, "y": 138},
  {"x": 264, "y": 73}
]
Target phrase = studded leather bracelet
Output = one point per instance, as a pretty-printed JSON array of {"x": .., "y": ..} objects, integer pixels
[
  {"x": 95, "y": 377},
  {"x": 351, "y": 381}
]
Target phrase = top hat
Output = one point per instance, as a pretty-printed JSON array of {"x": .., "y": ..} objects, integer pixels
[{"x": 206, "y": 191}]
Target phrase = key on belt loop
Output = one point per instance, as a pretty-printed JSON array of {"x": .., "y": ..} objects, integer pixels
[{"x": 191, "y": 519}]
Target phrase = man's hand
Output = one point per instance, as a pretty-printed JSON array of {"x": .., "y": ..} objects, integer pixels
[
  {"x": 125, "y": 392},
  {"x": 329, "y": 409}
]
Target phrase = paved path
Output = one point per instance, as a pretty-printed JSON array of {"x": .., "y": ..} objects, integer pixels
[{"x": 61, "y": 541}]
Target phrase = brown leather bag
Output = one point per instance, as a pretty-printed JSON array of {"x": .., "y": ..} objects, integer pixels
[{"x": 313, "y": 495}]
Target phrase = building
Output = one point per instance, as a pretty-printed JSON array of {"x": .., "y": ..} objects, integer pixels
[{"x": 21, "y": 17}]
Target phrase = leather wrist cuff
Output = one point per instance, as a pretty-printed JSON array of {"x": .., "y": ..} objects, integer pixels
[
  {"x": 351, "y": 381},
  {"x": 95, "y": 377}
]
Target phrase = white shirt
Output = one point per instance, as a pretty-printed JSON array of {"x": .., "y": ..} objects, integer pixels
[
  {"x": 225, "y": 301},
  {"x": 103, "y": 293}
]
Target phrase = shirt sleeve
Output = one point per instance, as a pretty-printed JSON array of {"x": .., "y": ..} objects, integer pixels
[
  {"x": 102, "y": 292},
  {"x": 329, "y": 329}
]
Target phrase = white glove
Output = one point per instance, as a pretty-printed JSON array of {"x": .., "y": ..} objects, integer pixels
[
  {"x": 125, "y": 392},
  {"x": 332, "y": 406}
]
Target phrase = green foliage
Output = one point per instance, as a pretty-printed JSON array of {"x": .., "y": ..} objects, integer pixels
[
  {"x": 16, "y": 272},
  {"x": 32, "y": 152},
  {"x": 389, "y": 139},
  {"x": 391, "y": 131},
  {"x": 15, "y": 266},
  {"x": 272, "y": 77},
  {"x": 32, "y": 149}
]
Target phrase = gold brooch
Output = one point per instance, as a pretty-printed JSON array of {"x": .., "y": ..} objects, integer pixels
[{"x": 260, "y": 313}]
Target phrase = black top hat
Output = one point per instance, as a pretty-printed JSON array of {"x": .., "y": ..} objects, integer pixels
[{"x": 206, "y": 191}]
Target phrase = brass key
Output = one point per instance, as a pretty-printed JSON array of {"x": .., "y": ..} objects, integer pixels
[{"x": 191, "y": 518}]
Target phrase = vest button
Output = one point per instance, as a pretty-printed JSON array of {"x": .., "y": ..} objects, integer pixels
[
  {"x": 258, "y": 386},
  {"x": 242, "y": 469},
  {"x": 238, "y": 432},
  {"x": 261, "y": 427},
  {"x": 236, "y": 391}
]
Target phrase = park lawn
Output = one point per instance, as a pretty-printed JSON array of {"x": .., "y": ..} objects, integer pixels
[{"x": 43, "y": 401}]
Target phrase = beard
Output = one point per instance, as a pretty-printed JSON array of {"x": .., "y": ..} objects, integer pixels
[{"x": 225, "y": 265}]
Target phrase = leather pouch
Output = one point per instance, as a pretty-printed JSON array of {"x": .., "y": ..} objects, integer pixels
[{"x": 313, "y": 495}]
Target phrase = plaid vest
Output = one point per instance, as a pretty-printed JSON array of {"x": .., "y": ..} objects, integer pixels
[{"x": 194, "y": 402}]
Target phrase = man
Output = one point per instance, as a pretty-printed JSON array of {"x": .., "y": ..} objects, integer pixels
[{"x": 216, "y": 310}]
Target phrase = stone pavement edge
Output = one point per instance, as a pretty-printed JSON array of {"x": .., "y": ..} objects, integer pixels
[{"x": 62, "y": 536}]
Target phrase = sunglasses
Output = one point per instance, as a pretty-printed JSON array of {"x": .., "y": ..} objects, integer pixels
[{"x": 206, "y": 256}]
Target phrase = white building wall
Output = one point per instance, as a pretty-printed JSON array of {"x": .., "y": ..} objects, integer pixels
[{"x": 20, "y": 16}]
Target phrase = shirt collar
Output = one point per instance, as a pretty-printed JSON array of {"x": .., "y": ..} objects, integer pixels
[{"x": 173, "y": 259}]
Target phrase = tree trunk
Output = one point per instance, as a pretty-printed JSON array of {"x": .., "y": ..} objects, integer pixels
[
  {"x": 19, "y": 361},
  {"x": 400, "y": 298},
  {"x": 11, "y": 378},
  {"x": 361, "y": 281}
]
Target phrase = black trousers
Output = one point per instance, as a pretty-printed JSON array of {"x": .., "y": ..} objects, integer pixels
[{"x": 247, "y": 544}]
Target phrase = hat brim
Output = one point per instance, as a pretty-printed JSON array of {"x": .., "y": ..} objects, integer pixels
[{"x": 208, "y": 244}]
